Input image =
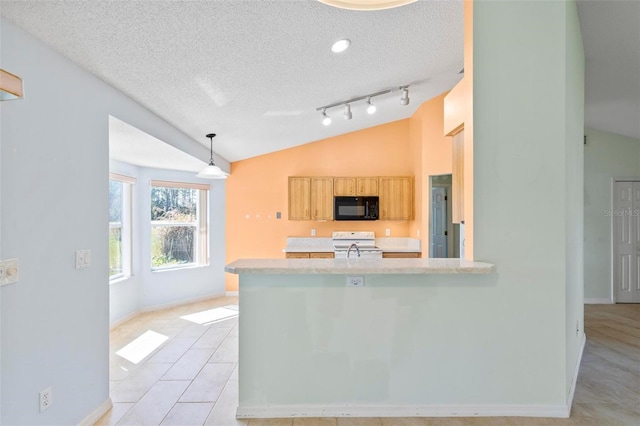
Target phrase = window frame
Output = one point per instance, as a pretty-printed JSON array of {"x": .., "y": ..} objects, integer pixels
[
  {"x": 126, "y": 226},
  {"x": 201, "y": 224}
]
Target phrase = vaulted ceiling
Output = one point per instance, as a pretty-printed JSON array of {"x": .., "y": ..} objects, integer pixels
[{"x": 254, "y": 72}]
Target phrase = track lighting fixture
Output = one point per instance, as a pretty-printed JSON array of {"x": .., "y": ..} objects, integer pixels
[
  {"x": 326, "y": 120},
  {"x": 404, "y": 99},
  {"x": 371, "y": 108},
  {"x": 347, "y": 112}
]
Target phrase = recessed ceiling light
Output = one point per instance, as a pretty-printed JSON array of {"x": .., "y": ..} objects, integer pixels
[{"x": 340, "y": 45}]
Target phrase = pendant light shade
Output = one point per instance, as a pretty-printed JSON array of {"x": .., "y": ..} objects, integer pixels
[{"x": 212, "y": 171}]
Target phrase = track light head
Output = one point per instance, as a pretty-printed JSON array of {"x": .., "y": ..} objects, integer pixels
[
  {"x": 326, "y": 120},
  {"x": 347, "y": 112},
  {"x": 404, "y": 99},
  {"x": 371, "y": 108}
]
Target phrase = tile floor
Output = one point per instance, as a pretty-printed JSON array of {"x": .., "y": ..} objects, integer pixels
[{"x": 183, "y": 371}]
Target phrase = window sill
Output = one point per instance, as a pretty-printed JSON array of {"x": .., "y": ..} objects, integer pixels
[
  {"x": 179, "y": 268},
  {"x": 119, "y": 279}
]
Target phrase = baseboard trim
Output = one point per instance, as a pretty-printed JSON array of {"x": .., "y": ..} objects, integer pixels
[
  {"x": 598, "y": 301},
  {"x": 576, "y": 371},
  {"x": 232, "y": 293},
  {"x": 290, "y": 411},
  {"x": 119, "y": 322},
  {"x": 180, "y": 303},
  {"x": 97, "y": 414}
]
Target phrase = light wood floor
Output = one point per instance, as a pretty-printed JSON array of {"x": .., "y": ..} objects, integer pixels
[{"x": 191, "y": 379}]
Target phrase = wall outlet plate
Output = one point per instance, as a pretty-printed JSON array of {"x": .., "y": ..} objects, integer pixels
[
  {"x": 387, "y": 232},
  {"x": 355, "y": 281},
  {"x": 8, "y": 271},
  {"x": 45, "y": 399}
]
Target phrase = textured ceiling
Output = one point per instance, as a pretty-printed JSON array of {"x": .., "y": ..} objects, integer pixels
[
  {"x": 611, "y": 36},
  {"x": 254, "y": 72}
]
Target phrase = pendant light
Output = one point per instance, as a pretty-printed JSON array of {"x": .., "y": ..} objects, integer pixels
[{"x": 212, "y": 171}]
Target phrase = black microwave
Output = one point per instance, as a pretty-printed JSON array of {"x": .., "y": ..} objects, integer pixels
[{"x": 355, "y": 208}]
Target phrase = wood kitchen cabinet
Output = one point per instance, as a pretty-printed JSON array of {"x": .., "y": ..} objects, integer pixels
[
  {"x": 401, "y": 255},
  {"x": 396, "y": 198},
  {"x": 310, "y": 255},
  {"x": 322, "y": 198},
  {"x": 299, "y": 198},
  {"x": 367, "y": 186},
  {"x": 457, "y": 177},
  {"x": 351, "y": 186},
  {"x": 344, "y": 186}
]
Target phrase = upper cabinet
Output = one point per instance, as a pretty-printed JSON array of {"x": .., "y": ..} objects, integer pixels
[
  {"x": 299, "y": 198},
  {"x": 344, "y": 186},
  {"x": 367, "y": 186},
  {"x": 322, "y": 198},
  {"x": 396, "y": 198},
  {"x": 457, "y": 176},
  {"x": 311, "y": 198}
]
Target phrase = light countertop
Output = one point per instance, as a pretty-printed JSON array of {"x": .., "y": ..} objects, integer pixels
[{"x": 358, "y": 266}]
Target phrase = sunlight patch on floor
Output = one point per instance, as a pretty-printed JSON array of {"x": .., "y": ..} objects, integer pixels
[
  {"x": 142, "y": 346},
  {"x": 213, "y": 315}
]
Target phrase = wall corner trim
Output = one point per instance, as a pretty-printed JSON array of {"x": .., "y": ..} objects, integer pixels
[
  {"x": 574, "y": 381},
  {"x": 97, "y": 414}
]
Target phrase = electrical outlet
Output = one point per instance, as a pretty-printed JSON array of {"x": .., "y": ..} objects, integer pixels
[
  {"x": 387, "y": 232},
  {"x": 355, "y": 281},
  {"x": 45, "y": 399},
  {"x": 313, "y": 232},
  {"x": 83, "y": 259},
  {"x": 8, "y": 271}
]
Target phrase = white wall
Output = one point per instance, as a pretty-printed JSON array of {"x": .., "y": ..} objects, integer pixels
[
  {"x": 525, "y": 57},
  {"x": 606, "y": 156},
  {"x": 54, "y": 165}
]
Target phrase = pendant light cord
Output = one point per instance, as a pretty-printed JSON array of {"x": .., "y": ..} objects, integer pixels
[{"x": 211, "y": 136}]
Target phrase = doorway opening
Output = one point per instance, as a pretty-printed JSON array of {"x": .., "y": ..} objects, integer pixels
[{"x": 444, "y": 236}]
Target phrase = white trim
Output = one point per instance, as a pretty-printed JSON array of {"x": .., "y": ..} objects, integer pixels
[
  {"x": 180, "y": 185},
  {"x": 232, "y": 293},
  {"x": 124, "y": 319},
  {"x": 97, "y": 414},
  {"x": 574, "y": 381},
  {"x": 290, "y": 411},
  {"x": 598, "y": 301},
  {"x": 122, "y": 178}
]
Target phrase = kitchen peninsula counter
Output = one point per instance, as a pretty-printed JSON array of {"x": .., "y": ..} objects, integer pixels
[
  {"x": 314, "y": 344},
  {"x": 358, "y": 266}
]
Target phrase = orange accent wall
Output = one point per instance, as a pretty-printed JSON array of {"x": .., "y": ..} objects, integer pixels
[
  {"x": 258, "y": 187},
  {"x": 458, "y": 113}
]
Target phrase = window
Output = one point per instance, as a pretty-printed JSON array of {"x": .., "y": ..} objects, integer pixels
[
  {"x": 178, "y": 224},
  {"x": 119, "y": 225}
]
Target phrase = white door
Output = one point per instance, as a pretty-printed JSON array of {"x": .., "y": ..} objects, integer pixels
[
  {"x": 439, "y": 222},
  {"x": 626, "y": 241}
]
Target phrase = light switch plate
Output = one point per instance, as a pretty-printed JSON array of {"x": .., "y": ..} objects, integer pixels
[
  {"x": 83, "y": 259},
  {"x": 8, "y": 271}
]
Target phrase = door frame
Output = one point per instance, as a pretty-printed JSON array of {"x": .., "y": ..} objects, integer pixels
[
  {"x": 450, "y": 242},
  {"x": 614, "y": 180}
]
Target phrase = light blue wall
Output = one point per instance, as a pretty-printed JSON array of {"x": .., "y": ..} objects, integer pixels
[
  {"x": 606, "y": 156},
  {"x": 525, "y": 54},
  {"x": 54, "y": 166}
]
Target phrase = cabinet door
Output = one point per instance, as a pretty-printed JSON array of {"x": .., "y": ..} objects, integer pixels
[
  {"x": 321, "y": 255},
  {"x": 367, "y": 186},
  {"x": 401, "y": 255},
  {"x": 457, "y": 176},
  {"x": 344, "y": 186},
  {"x": 322, "y": 198},
  {"x": 299, "y": 198},
  {"x": 297, "y": 255},
  {"x": 396, "y": 198}
]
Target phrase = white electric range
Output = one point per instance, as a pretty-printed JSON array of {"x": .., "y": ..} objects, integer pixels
[{"x": 362, "y": 244}]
